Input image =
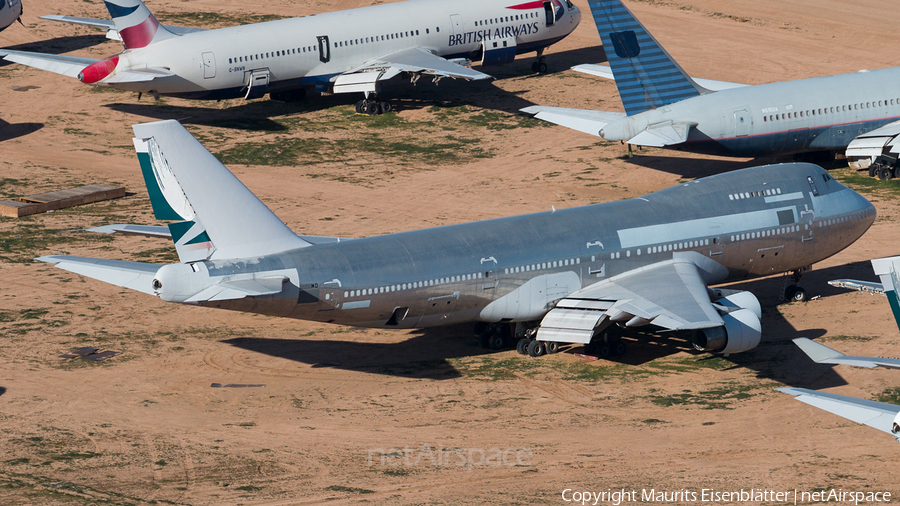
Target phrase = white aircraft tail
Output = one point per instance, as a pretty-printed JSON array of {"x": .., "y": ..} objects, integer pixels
[
  {"x": 218, "y": 217},
  {"x": 886, "y": 269},
  {"x": 135, "y": 24}
]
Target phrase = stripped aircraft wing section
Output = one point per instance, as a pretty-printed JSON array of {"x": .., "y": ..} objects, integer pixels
[
  {"x": 670, "y": 294},
  {"x": 878, "y": 415},
  {"x": 583, "y": 120},
  {"x": 415, "y": 61}
]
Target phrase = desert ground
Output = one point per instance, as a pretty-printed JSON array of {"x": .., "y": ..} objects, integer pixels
[{"x": 338, "y": 415}]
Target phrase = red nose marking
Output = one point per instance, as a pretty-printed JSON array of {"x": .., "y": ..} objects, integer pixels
[{"x": 98, "y": 70}]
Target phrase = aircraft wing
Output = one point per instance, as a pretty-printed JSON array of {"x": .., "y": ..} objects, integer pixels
[
  {"x": 134, "y": 275},
  {"x": 872, "y": 144},
  {"x": 605, "y": 72},
  {"x": 670, "y": 294},
  {"x": 663, "y": 134},
  {"x": 878, "y": 415},
  {"x": 415, "y": 61},
  {"x": 862, "y": 286},
  {"x": 583, "y": 120},
  {"x": 111, "y": 32},
  {"x": 56, "y": 63},
  {"x": 822, "y": 354}
]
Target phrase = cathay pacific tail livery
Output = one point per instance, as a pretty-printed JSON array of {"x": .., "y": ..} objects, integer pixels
[
  {"x": 10, "y": 12},
  {"x": 349, "y": 51},
  {"x": 665, "y": 107},
  {"x": 571, "y": 273}
]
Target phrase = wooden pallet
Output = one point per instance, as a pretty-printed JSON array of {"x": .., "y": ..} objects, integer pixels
[{"x": 61, "y": 199}]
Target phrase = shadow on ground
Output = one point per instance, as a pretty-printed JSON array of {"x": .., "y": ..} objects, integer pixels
[
  {"x": 428, "y": 352},
  {"x": 11, "y": 131}
]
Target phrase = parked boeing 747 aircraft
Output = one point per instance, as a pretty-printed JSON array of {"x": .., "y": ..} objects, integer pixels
[
  {"x": 665, "y": 107},
  {"x": 10, "y": 12},
  {"x": 349, "y": 51},
  {"x": 645, "y": 261}
]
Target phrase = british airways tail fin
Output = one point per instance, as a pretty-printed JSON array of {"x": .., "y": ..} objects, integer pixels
[
  {"x": 136, "y": 25},
  {"x": 647, "y": 77},
  {"x": 886, "y": 269},
  {"x": 218, "y": 217}
]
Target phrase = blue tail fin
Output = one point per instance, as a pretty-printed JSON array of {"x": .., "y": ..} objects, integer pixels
[
  {"x": 886, "y": 269},
  {"x": 647, "y": 77}
]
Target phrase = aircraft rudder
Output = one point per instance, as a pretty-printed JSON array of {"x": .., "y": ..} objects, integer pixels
[
  {"x": 646, "y": 75},
  {"x": 136, "y": 25}
]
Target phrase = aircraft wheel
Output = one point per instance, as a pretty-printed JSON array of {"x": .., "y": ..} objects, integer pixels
[
  {"x": 496, "y": 341},
  {"x": 542, "y": 68},
  {"x": 371, "y": 108},
  {"x": 361, "y": 107},
  {"x": 522, "y": 346},
  {"x": 603, "y": 351},
  {"x": 552, "y": 347},
  {"x": 885, "y": 174},
  {"x": 536, "y": 348},
  {"x": 384, "y": 107},
  {"x": 795, "y": 293},
  {"x": 872, "y": 170},
  {"x": 620, "y": 348}
]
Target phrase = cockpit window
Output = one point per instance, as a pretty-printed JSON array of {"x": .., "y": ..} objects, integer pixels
[
  {"x": 570, "y": 4},
  {"x": 827, "y": 177}
]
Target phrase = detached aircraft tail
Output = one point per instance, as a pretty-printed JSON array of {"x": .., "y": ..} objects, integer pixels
[
  {"x": 218, "y": 217},
  {"x": 647, "y": 77},
  {"x": 135, "y": 23},
  {"x": 886, "y": 269}
]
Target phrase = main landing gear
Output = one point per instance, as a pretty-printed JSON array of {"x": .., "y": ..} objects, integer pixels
[
  {"x": 539, "y": 66},
  {"x": 794, "y": 292},
  {"x": 494, "y": 336},
  {"x": 533, "y": 347},
  {"x": 372, "y": 107}
]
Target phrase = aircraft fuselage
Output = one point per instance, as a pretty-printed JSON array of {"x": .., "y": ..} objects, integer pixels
[{"x": 743, "y": 224}]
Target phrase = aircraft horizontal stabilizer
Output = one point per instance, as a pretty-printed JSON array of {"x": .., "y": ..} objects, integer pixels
[
  {"x": 878, "y": 415},
  {"x": 163, "y": 231},
  {"x": 605, "y": 72},
  {"x": 133, "y": 275},
  {"x": 862, "y": 286},
  {"x": 663, "y": 134},
  {"x": 583, "y": 120},
  {"x": 822, "y": 354},
  {"x": 69, "y": 66},
  {"x": 110, "y": 27}
]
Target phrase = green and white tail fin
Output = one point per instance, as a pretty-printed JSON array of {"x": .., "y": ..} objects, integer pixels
[
  {"x": 886, "y": 269},
  {"x": 218, "y": 217}
]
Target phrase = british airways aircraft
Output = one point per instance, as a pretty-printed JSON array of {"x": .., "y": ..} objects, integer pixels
[
  {"x": 562, "y": 276},
  {"x": 665, "y": 107},
  {"x": 10, "y": 12},
  {"x": 350, "y": 51}
]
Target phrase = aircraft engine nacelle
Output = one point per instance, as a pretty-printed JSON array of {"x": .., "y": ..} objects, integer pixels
[
  {"x": 98, "y": 70},
  {"x": 740, "y": 300},
  {"x": 742, "y": 332}
]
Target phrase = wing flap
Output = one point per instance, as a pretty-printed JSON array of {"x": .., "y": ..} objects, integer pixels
[
  {"x": 583, "y": 120},
  {"x": 414, "y": 60},
  {"x": 132, "y": 275},
  {"x": 878, "y": 415}
]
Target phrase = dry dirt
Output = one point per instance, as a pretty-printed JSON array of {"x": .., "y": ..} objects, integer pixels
[{"x": 147, "y": 427}]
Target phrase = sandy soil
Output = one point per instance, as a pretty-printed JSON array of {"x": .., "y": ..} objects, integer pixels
[{"x": 333, "y": 406}]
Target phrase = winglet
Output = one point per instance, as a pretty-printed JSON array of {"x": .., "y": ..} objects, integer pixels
[{"x": 219, "y": 217}]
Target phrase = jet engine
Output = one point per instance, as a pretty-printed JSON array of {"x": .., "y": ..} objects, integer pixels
[{"x": 742, "y": 331}]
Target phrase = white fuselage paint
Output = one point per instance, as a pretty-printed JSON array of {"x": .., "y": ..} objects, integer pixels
[
  {"x": 818, "y": 114},
  {"x": 291, "y": 50}
]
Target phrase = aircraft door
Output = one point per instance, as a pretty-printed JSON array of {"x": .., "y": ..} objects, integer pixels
[
  {"x": 257, "y": 82},
  {"x": 324, "y": 49},
  {"x": 330, "y": 295},
  {"x": 456, "y": 24},
  {"x": 548, "y": 13},
  {"x": 743, "y": 124},
  {"x": 209, "y": 65}
]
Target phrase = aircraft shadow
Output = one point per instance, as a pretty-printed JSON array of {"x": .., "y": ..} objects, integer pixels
[
  {"x": 11, "y": 131},
  {"x": 59, "y": 45},
  {"x": 688, "y": 168},
  {"x": 2, "y": 390}
]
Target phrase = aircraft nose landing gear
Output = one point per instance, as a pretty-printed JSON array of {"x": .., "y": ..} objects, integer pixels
[
  {"x": 796, "y": 293},
  {"x": 539, "y": 66}
]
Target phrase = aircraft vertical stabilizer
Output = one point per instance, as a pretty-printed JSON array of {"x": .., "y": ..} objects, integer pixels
[
  {"x": 886, "y": 269},
  {"x": 136, "y": 25},
  {"x": 647, "y": 77},
  {"x": 218, "y": 217}
]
